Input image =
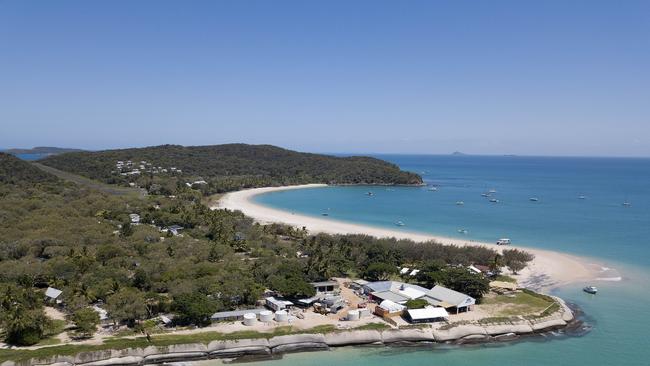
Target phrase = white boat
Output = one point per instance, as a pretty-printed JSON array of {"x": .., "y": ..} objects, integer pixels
[
  {"x": 627, "y": 204},
  {"x": 494, "y": 200},
  {"x": 582, "y": 197},
  {"x": 485, "y": 195},
  {"x": 399, "y": 223},
  {"x": 462, "y": 231},
  {"x": 492, "y": 191},
  {"x": 590, "y": 290},
  {"x": 433, "y": 189},
  {"x": 370, "y": 194},
  {"x": 503, "y": 241},
  {"x": 459, "y": 203},
  {"x": 534, "y": 199}
]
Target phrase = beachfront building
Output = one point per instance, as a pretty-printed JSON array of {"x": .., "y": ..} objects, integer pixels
[
  {"x": 428, "y": 314},
  {"x": 450, "y": 299},
  {"x": 234, "y": 315},
  {"x": 438, "y": 296}
]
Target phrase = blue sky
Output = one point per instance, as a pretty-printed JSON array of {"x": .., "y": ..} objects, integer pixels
[{"x": 490, "y": 77}]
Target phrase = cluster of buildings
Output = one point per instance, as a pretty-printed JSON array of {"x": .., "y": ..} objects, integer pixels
[
  {"x": 126, "y": 168},
  {"x": 391, "y": 298}
]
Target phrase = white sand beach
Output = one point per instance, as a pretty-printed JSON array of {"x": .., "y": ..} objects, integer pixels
[{"x": 548, "y": 269}]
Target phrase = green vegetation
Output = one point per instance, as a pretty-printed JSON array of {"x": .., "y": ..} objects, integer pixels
[
  {"x": 504, "y": 278},
  {"x": 80, "y": 240},
  {"x": 520, "y": 303},
  {"x": 167, "y": 340},
  {"x": 22, "y": 316},
  {"x": 86, "y": 321},
  {"x": 516, "y": 259},
  {"x": 229, "y": 167},
  {"x": 193, "y": 308},
  {"x": 417, "y": 303},
  {"x": 456, "y": 278},
  {"x": 374, "y": 326}
]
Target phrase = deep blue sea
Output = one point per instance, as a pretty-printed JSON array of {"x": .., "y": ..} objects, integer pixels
[
  {"x": 31, "y": 157},
  {"x": 598, "y": 226}
]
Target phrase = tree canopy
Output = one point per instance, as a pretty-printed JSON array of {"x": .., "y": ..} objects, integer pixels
[{"x": 228, "y": 167}]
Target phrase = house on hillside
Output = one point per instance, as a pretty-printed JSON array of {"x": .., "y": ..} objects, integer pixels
[
  {"x": 52, "y": 295},
  {"x": 135, "y": 218},
  {"x": 175, "y": 229}
]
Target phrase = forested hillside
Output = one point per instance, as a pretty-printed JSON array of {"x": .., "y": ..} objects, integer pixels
[
  {"x": 15, "y": 171},
  {"x": 82, "y": 242},
  {"x": 226, "y": 167}
]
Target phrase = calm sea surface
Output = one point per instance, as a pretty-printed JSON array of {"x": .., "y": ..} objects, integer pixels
[{"x": 598, "y": 226}]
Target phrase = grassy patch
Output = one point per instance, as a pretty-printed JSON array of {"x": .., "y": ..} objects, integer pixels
[
  {"x": 505, "y": 278},
  {"x": 520, "y": 303},
  {"x": 373, "y": 326},
  {"x": 156, "y": 340},
  {"x": 495, "y": 320}
]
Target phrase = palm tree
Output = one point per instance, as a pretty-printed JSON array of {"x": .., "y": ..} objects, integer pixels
[{"x": 496, "y": 264}]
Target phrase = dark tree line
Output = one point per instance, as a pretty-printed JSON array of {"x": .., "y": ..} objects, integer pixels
[{"x": 231, "y": 167}]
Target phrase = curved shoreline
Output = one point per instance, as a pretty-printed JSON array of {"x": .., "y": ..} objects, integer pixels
[{"x": 548, "y": 270}]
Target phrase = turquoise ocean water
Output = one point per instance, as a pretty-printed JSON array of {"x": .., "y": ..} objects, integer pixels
[{"x": 597, "y": 226}]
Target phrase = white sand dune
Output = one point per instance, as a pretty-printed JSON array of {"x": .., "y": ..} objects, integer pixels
[{"x": 548, "y": 269}]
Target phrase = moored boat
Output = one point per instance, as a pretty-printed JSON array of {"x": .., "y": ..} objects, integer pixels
[
  {"x": 503, "y": 241},
  {"x": 590, "y": 290}
]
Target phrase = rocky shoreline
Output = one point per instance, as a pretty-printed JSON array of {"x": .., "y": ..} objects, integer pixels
[{"x": 268, "y": 347}]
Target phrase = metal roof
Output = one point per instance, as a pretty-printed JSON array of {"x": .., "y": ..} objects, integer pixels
[
  {"x": 389, "y": 295},
  {"x": 428, "y": 313},
  {"x": 53, "y": 293},
  {"x": 235, "y": 313},
  {"x": 452, "y": 297}
]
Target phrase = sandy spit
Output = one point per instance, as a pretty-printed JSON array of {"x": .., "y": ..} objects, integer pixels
[{"x": 549, "y": 268}]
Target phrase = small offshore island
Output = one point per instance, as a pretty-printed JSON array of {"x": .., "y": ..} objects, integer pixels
[{"x": 136, "y": 256}]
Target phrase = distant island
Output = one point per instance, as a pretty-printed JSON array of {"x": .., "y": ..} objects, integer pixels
[
  {"x": 45, "y": 150},
  {"x": 223, "y": 168}
]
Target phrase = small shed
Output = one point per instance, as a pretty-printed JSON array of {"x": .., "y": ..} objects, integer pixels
[
  {"x": 52, "y": 294},
  {"x": 389, "y": 308}
]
